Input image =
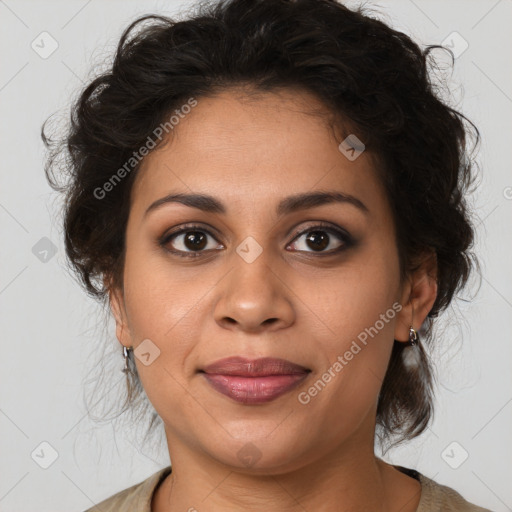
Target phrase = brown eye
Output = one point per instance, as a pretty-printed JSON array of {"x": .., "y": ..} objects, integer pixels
[
  {"x": 189, "y": 241},
  {"x": 194, "y": 240},
  {"x": 318, "y": 240}
]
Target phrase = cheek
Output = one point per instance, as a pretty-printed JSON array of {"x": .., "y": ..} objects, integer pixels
[
  {"x": 161, "y": 307},
  {"x": 359, "y": 296},
  {"x": 345, "y": 391},
  {"x": 360, "y": 310},
  {"x": 160, "y": 301}
]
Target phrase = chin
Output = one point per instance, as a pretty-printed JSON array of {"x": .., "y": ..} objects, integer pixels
[{"x": 260, "y": 452}]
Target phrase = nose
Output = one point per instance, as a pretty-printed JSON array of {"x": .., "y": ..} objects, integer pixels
[{"x": 255, "y": 297}]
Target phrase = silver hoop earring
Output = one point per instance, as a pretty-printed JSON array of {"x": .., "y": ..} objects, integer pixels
[
  {"x": 413, "y": 337},
  {"x": 411, "y": 353},
  {"x": 126, "y": 355}
]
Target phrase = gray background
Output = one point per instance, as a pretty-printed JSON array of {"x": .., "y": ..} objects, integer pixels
[{"x": 49, "y": 327}]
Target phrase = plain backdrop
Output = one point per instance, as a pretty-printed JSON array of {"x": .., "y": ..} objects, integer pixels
[{"x": 48, "y": 324}]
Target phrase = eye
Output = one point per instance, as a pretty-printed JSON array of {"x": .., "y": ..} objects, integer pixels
[
  {"x": 321, "y": 237},
  {"x": 192, "y": 240},
  {"x": 189, "y": 241}
]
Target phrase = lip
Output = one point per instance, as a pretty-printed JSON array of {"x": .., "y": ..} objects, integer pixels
[{"x": 255, "y": 381}]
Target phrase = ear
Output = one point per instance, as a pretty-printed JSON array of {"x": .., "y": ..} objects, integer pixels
[
  {"x": 117, "y": 306},
  {"x": 418, "y": 296}
]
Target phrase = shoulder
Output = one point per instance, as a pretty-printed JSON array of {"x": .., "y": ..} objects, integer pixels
[
  {"x": 137, "y": 497},
  {"x": 438, "y": 497}
]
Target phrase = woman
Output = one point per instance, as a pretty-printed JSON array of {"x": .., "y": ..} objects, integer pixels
[{"x": 271, "y": 198}]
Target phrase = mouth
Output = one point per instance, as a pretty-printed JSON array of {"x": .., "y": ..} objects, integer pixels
[{"x": 254, "y": 381}]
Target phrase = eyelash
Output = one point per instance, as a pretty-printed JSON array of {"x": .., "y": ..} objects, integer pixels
[{"x": 347, "y": 240}]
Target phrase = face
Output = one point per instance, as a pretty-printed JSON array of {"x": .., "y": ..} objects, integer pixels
[{"x": 259, "y": 275}]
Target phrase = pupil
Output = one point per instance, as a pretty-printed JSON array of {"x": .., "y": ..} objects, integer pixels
[
  {"x": 195, "y": 240},
  {"x": 318, "y": 240}
]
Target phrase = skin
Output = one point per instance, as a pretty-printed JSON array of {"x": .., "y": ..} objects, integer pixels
[{"x": 251, "y": 152}]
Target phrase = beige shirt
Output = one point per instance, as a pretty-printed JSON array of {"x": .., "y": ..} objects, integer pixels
[{"x": 434, "y": 497}]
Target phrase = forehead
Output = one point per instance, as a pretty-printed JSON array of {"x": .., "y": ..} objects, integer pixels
[{"x": 254, "y": 150}]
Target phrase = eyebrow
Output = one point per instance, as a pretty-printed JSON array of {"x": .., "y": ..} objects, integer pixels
[{"x": 286, "y": 206}]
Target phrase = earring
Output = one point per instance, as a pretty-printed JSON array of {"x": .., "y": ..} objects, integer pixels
[
  {"x": 126, "y": 355},
  {"x": 411, "y": 353},
  {"x": 413, "y": 336}
]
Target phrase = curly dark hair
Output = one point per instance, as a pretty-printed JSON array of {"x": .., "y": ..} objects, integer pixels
[{"x": 375, "y": 79}]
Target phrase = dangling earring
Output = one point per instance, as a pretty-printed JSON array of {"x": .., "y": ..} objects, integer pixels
[
  {"x": 126, "y": 355},
  {"x": 411, "y": 353},
  {"x": 413, "y": 336}
]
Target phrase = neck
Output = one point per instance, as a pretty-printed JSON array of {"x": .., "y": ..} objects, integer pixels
[{"x": 347, "y": 479}]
